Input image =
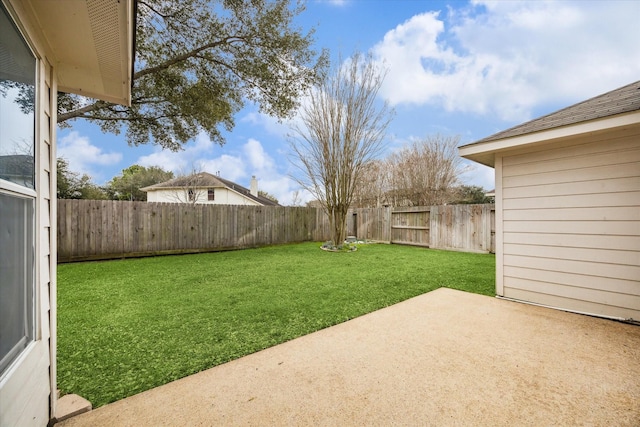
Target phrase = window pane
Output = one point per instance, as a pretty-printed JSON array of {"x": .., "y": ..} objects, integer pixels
[
  {"x": 17, "y": 105},
  {"x": 16, "y": 276}
]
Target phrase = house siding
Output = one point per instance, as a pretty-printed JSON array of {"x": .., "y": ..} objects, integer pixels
[
  {"x": 26, "y": 397},
  {"x": 569, "y": 224},
  {"x": 223, "y": 196}
]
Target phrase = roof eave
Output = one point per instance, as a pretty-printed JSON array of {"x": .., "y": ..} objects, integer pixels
[
  {"x": 484, "y": 152},
  {"x": 92, "y": 46}
]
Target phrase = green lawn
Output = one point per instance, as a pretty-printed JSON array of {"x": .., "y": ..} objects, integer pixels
[{"x": 129, "y": 325}]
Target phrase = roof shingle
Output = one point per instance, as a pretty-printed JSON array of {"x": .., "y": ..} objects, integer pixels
[
  {"x": 623, "y": 100},
  {"x": 206, "y": 180}
]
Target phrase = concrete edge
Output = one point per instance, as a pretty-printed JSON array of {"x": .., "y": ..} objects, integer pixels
[{"x": 69, "y": 406}]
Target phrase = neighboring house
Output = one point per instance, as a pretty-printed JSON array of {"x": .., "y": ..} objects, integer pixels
[
  {"x": 84, "y": 47},
  {"x": 205, "y": 188},
  {"x": 18, "y": 168},
  {"x": 568, "y": 206}
]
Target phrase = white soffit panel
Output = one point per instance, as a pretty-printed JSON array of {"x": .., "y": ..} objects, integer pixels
[{"x": 92, "y": 43}]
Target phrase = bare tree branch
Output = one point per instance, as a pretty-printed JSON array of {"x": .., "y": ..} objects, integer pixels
[{"x": 343, "y": 128}]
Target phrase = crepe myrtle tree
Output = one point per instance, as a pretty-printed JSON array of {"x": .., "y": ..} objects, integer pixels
[
  {"x": 342, "y": 126},
  {"x": 197, "y": 62}
]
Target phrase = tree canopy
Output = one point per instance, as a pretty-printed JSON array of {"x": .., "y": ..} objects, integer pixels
[
  {"x": 127, "y": 185},
  {"x": 471, "y": 194},
  {"x": 71, "y": 185},
  {"x": 199, "y": 61}
]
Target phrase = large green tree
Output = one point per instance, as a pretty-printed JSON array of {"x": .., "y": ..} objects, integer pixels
[
  {"x": 199, "y": 61},
  {"x": 127, "y": 185}
]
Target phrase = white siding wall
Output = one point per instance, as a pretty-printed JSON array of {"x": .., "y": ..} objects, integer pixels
[
  {"x": 223, "y": 196},
  {"x": 570, "y": 225},
  {"x": 26, "y": 396}
]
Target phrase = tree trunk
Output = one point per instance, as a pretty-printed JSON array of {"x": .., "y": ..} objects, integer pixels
[{"x": 338, "y": 222}]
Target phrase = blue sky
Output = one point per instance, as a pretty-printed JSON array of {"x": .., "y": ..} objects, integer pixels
[{"x": 454, "y": 68}]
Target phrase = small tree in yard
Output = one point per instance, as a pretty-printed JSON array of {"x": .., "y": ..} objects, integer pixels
[{"x": 342, "y": 129}]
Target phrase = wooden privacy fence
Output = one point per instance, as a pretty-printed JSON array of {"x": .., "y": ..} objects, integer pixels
[
  {"x": 456, "y": 227},
  {"x": 107, "y": 229}
]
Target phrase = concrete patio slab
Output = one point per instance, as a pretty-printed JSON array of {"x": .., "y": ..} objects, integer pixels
[{"x": 442, "y": 358}]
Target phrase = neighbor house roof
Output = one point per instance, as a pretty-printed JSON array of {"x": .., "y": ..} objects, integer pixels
[
  {"x": 91, "y": 43},
  {"x": 620, "y": 107},
  {"x": 207, "y": 180}
]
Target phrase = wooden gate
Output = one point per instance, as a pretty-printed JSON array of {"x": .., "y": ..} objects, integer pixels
[{"x": 410, "y": 226}]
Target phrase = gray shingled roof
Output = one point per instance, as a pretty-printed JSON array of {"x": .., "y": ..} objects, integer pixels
[
  {"x": 623, "y": 100},
  {"x": 206, "y": 180}
]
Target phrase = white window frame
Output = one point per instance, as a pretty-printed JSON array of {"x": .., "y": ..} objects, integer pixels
[{"x": 18, "y": 191}]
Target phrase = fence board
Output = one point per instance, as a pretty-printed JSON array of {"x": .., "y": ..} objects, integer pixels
[
  {"x": 411, "y": 226},
  {"x": 116, "y": 229},
  {"x": 370, "y": 224},
  {"x": 456, "y": 227},
  {"x": 463, "y": 227}
]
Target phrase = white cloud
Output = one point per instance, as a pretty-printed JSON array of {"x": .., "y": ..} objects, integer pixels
[
  {"x": 339, "y": 3},
  {"x": 506, "y": 58},
  {"x": 258, "y": 158},
  {"x": 181, "y": 161},
  {"x": 84, "y": 157},
  {"x": 269, "y": 123},
  {"x": 227, "y": 166},
  {"x": 264, "y": 168}
]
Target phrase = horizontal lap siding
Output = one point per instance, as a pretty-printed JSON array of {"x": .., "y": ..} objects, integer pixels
[{"x": 571, "y": 226}]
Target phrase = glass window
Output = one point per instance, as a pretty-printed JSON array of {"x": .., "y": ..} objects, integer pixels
[
  {"x": 17, "y": 105},
  {"x": 17, "y": 202},
  {"x": 16, "y": 274},
  {"x": 211, "y": 195}
]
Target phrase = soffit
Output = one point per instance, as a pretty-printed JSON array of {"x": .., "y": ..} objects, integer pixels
[{"x": 92, "y": 45}]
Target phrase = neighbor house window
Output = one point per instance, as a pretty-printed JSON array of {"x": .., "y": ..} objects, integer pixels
[
  {"x": 211, "y": 195},
  {"x": 17, "y": 195},
  {"x": 191, "y": 195}
]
